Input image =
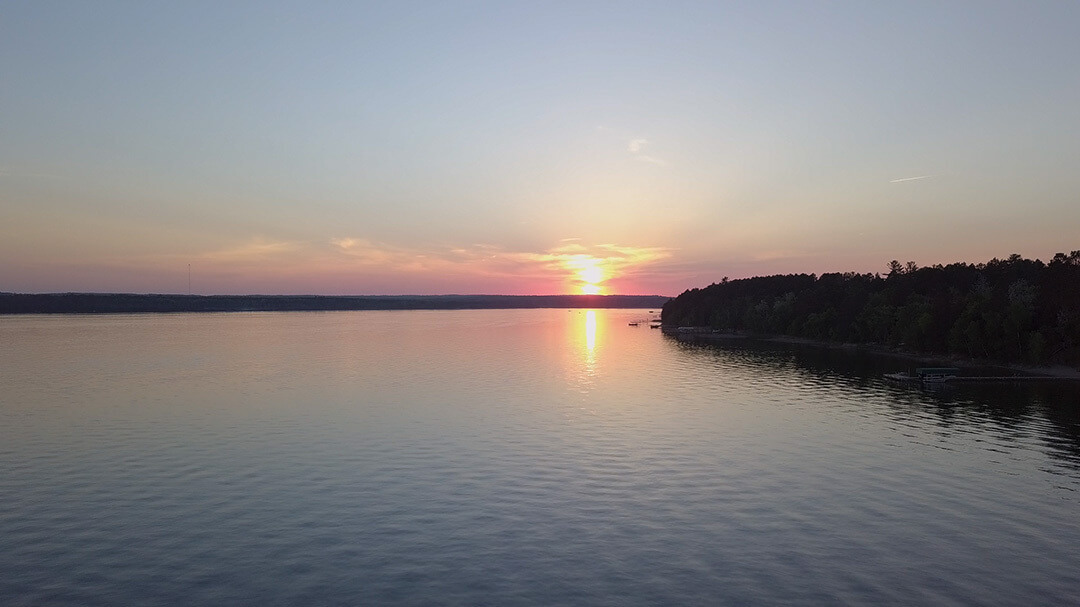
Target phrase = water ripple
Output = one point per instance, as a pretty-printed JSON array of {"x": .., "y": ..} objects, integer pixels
[{"x": 511, "y": 458}]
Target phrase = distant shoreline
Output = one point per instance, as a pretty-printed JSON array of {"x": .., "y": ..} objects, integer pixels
[{"x": 132, "y": 303}]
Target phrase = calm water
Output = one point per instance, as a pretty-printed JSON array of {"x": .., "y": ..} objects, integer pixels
[{"x": 512, "y": 457}]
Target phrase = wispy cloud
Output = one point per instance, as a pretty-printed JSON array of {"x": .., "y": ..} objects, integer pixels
[
  {"x": 564, "y": 267},
  {"x": 595, "y": 264},
  {"x": 636, "y": 147},
  {"x": 902, "y": 179},
  {"x": 364, "y": 252},
  {"x": 561, "y": 262},
  {"x": 256, "y": 249}
]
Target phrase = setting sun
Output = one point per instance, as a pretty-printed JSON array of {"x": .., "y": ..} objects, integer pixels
[
  {"x": 587, "y": 273},
  {"x": 592, "y": 273}
]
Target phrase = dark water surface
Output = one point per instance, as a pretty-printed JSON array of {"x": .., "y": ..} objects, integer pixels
[{"x": 512, "y": 457}]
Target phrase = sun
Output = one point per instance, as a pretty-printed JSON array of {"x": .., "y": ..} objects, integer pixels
[
  {"x": 586, "y": 274},
  {"x": 590, "y": 275}
]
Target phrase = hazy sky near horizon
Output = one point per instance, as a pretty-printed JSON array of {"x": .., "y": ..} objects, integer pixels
[{"x": 475, "y": 147}]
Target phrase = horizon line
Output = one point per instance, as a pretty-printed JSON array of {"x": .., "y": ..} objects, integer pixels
[{"x": 337, "y": 295}]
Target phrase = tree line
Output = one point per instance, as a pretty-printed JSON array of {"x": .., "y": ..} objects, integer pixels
[
  {"x": 105, "y": 303},
  {"x": 1010, "y": 310}
]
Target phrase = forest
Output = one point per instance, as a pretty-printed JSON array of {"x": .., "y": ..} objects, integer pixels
[{"x": 1010, "y": 310}]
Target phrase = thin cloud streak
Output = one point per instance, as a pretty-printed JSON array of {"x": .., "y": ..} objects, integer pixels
[
  {"x": 257, "y": 249},
  {"x": 902, "y": 179},
  {"x": 637, "y": 145},
  {"x": 562, "y": 263},
  {"x": 651, "y": 159}
]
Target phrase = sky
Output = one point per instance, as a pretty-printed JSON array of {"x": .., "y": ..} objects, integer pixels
[{"x": 527, "y": 147}]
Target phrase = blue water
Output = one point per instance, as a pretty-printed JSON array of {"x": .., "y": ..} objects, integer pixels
[{"x": 526, "y": 457}]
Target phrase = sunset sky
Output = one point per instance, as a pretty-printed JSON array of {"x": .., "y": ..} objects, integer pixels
[{"x": 527, "y": 147}]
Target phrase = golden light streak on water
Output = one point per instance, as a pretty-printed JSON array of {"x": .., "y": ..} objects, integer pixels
[{"x": 590, "y": 332}]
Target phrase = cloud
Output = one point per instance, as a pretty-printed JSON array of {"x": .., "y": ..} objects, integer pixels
[
  {"x": 600, "y": 262},
  {"x": 651, "y": 159},
  {"x": 637, "y": 145},
  {"x": 343, "y": 243},
  {"x": 560, "y": 262},
  {"x": 363, "y": 252},
  {"x": 902, "y": 179},
  {"x": 566, "y": 266},
  {"x": 256, "y": 249}
]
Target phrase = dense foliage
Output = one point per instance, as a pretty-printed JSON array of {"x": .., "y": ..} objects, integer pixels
[{"x": 1014, "y": 310}]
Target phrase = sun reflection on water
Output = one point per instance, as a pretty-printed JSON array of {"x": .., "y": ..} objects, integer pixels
[
  {"x": 588, "y": 369},
  {"x": 582, "y": 364},
  {"x": 590, "y": 331}
]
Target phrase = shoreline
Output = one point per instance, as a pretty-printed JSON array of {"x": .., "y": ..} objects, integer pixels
[{"x": 1055, "y": 371}]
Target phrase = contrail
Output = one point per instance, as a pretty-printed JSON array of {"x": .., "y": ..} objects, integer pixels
[{"x": 910, "y": 178}]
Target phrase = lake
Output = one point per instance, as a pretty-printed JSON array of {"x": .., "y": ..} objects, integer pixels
[{"x": 512, "y": 457}]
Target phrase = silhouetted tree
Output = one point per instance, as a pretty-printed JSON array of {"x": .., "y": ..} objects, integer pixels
[{"x": 1014, "y": 309}]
